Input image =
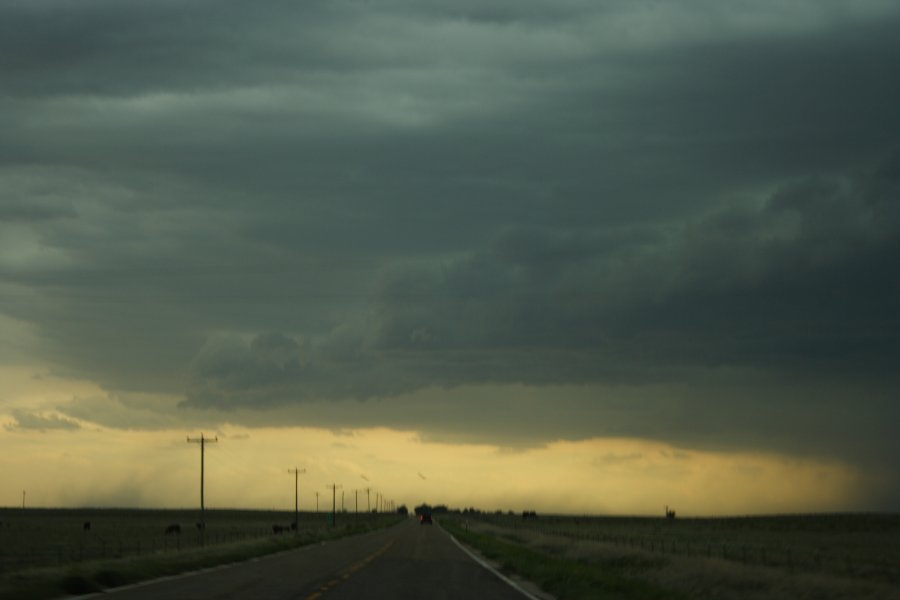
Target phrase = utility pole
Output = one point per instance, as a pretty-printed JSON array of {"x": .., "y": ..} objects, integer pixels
[
  {"x": 368, "y": 500},
  {"x": 202, "y": 441},
  {"x": 317, "y": 502},
  {"x": 296, "y": 473},
  {"x": 342, "y": 501},
  {"x": 356, "y": 497},
  {"x": 334, "y": 489},
  {"x": 23, "y": 499}
]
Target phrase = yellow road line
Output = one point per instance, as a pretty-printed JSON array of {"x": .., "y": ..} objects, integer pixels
[{"x": 349, "y": 572}]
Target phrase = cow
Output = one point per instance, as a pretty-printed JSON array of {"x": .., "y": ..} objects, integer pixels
[
  {"x": 86, "y": 526},
  {"x": 280, "y": 528},
  {"x": 174, "y": 528}
]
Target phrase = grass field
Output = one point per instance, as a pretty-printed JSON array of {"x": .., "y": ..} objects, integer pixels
[
  {"x": 801, "y": 556},
  {"x": 857, "y": 545},
  {"x": 37, "y": 538},
  {"x": 47, "y": 553}
]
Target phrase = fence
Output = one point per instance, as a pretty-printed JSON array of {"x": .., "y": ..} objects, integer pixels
[
  {"x": 836, "y": 547},
  {"x": 46, "y": 538}
]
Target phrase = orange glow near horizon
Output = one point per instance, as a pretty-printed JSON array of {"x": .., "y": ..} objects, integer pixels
[
  {"x": 88, "y": 464},
  {"x": 247, "y": 468}
]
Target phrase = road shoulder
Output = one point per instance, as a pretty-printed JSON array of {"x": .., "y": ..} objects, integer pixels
[{"x": 527, "y": 588}]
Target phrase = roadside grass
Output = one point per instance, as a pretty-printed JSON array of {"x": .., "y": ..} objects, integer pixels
[
  {"x": 698, "y": 575},
  {"x": 564, "y": 578},
  {"x": 96, "y": 576}
]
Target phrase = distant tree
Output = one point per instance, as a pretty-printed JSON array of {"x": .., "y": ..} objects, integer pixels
[{"x": 403, "y": 510}]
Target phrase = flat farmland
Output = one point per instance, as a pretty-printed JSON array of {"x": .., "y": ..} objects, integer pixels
[
  {"x": 790, "y": 556},
  {"x": 856, "y": 544},
  {"x": 36, "y": 538}
]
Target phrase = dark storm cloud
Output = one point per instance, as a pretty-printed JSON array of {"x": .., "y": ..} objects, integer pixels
[
  {"x": 806, "y": 284},
  {"x": 272, "y": 205},
  {"x": 34, "y": 212},
  {"x": 28, "y": 420}
]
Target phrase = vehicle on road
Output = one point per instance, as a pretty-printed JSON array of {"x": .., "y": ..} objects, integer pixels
[{"x": 424, "y": 519}]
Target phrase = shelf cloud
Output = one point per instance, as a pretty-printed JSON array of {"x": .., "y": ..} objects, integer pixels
[{"x": 676, "y": 222}]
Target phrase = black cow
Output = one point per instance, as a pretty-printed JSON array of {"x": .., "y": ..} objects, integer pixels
[
  {"x": 174, "y": 528},
  {"x": 86, "y": 526},
  {"x": 280, "y": 528}
]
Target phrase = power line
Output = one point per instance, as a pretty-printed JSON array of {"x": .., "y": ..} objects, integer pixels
[
  {"x": 296, "y": 473},
  {"x": 202, "y": 441},
  {"x": 334, "y": 488}
]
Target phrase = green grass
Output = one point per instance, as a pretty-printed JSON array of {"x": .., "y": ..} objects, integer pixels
[
  {"x": 566, "y": 579},
  {"x": 93, "y": 576},
  {"x": 863, "y": 546}
]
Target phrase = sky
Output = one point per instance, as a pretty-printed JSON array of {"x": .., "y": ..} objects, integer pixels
[{"x": 573, "y": 256}]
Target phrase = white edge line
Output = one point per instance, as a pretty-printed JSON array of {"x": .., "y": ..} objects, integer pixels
[{"x": 477, "y": 559}]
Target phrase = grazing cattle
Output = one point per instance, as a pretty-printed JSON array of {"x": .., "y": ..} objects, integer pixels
[
  {"x": 280, "y": 528},
  {"x": 174, "y": 528},
  {"x": 86, "y": 526}
]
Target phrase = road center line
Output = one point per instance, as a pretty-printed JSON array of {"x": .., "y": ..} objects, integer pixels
[{"x": 344, "y": 576}]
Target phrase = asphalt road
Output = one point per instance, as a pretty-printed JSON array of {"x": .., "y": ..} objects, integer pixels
[{"x": 405, "y": 561}]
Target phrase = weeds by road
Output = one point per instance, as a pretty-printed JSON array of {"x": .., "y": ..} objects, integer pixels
[
  {"x": 94, "y": 576},
  {"x": 556, "y": 563},
  {"x": 563, "y": 577}
]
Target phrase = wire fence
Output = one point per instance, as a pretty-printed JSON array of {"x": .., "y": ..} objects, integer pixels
[
  {"x": 37, "y": 538},
  {"x": 858, "y": 546}
]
